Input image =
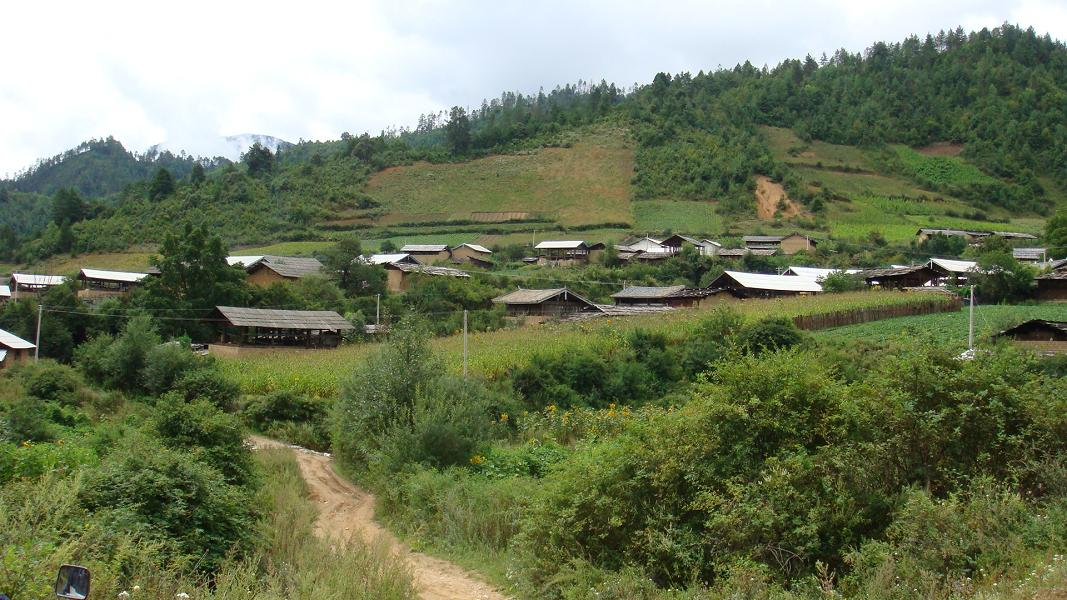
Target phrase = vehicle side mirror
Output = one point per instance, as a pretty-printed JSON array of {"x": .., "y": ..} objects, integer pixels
[{"x": 72, "y": 582}]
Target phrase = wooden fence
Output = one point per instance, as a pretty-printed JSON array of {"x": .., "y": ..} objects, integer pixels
[{"x": 863, "y": 315}]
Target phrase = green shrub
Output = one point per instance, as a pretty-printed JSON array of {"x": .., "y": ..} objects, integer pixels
[
  {"x": 770, "y": 334},
  {"x": 164, "y": 365},
  {"x": 283, "y": 405},
  {"x": 209, "y": 384},
  {"x": 207, "y": 433},
  {"x": 52, "y": 382},
  {"x": 169, "y": 496}
]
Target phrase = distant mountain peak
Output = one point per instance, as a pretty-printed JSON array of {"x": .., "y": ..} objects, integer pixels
[{"x": 230, "y": 146}]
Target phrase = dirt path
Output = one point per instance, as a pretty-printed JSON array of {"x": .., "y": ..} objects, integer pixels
[
  {"x": 346, "y": 511},
  {"x": 768, "y": 194}
]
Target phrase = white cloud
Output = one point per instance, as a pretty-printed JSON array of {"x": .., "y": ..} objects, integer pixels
[{"x": 192, "y": 72}]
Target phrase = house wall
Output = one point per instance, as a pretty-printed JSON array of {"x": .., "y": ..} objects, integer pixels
[
  {"x": 396, "y": 281},
  {"x": 1052, "y": 289},
  {"x": 545, "y": 309},
  {"x": 15, "y": 357},
  {"x": 1055, "y": 347},
  {"x": 796, "y": 243},
  {"x": 264, "y": 277},
  {"x": 465, "y": 254},
  {"x": 430, "y": 258}
]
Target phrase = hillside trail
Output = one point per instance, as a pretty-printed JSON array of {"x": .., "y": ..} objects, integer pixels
[{"x": 347, "y": 511}]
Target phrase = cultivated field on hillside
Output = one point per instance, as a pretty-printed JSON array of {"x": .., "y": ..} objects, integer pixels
[{"x": 587, "y": 183}]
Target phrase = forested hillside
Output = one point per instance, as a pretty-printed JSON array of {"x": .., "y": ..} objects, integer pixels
[{"x": 995, "y": 99}]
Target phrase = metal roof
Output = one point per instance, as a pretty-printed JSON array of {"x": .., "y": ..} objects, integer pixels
[
  {"x": 120, "y": 276},
  {"x": 521, "y": 296},
  {"x": 475, "y": 247},
  {"x": 952, "y": 266},
  {"x": 5, "y": 291},
  {"x": 763, "y": 238},
  {"x": 37, "y": 280},
  {"x": 778, "y": 283},
  {"x": 816, "y": 273},
  {"x": 635, "y": 291},
  {"x": 1059, "y": 327},
  {"x": 559, "y": 244},
  {"x": 14, "y": 342},
  {"x": 282, "y": 319},
  {"x": 1060, "y": 275},
  {"x": 243, "y": 261},
  {"x": 1029, "y": 253},
  {"x": 728, "y": 252},
  {"x": 424, "y": 248},
  {"x": 891, "y": 271},
  {"x": 1015, "y": 235},
  {"x": 427, "y": 270},
  {"x": 384, "y": 259},
  {"x": 289, "y": 266}
]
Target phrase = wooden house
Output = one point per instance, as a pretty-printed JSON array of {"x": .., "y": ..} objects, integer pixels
[
  {"x": 1046, "y": 337},
  {"x": 676, "y": 242},
  {"x": 951, "y": 271},
  {"x": 972, "y": 236},
  {"x": 268, "y": 269},
  {"x": 898, "y": 278},
  {"x": 562, "y": 252},
  {"x": 1030, "y": 255},
  {"x": 399, "y": 275},
  {"x": 385, "y": 259},
  {"x": 541, "y": 305},
  {"x": 786, "y": 244},
  {"x": 13, "y": 349},
  {"x": 733, "y": 253},
  {"x": 674, "y": 296},
  {"x": 1052, "y": 286},
  {"x": 267, "y": 327},
  {"x": 26, "y": 285},
  {"x": 474, "y": 254},
  {"x": 98, "y": 283},
  {"x": 428, "y": 254},
  {"x": 756, "y": 285}
]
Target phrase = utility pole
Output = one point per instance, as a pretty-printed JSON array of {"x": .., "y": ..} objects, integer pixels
[
  {"x": 970, "y": 322},
  {"x": 464, "y": 343},
  {"x": 37, "y": 343},
  {"x": 377, "y": 313}
]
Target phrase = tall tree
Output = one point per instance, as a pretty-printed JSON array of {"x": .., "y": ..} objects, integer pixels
[
  {"x": 259, "y": 160},
  {"x": 162, "y": 185},
  {"x": 68, "y": 207},
  {"x": 458, "y": 131}
]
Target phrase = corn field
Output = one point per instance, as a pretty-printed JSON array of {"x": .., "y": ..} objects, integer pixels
[{"x": 493, "y": 354}]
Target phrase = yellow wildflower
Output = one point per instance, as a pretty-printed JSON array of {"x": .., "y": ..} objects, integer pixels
[
  {"x": 477, "y": 459},
  {"x": 503, "y": 417}
]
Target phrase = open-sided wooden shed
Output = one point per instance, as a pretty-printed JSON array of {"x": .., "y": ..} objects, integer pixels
[{"x": 270, "y": 327}]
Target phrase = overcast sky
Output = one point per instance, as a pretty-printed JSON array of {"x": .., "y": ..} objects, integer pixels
[{"x": 190, "y": 72}]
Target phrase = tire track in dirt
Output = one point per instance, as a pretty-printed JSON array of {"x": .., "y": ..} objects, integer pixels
[{"x": 346, "y": 512}]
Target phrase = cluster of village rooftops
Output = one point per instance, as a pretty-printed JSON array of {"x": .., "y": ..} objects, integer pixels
[{"x": 322, "y": 328}]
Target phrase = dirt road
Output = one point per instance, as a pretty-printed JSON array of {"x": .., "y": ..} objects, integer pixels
[{"x": 347, "y": 512}]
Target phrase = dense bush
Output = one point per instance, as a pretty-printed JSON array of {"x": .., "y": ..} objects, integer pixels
[
  {"x": 777, "y": 462},
  {"x": 210, "y": 435}
]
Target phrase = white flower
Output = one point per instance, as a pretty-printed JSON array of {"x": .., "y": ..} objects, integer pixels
[
  {"x": 136, "y": 588},
  {"x": 181, "y": 596},
  {"x": 124, "y": 595}
]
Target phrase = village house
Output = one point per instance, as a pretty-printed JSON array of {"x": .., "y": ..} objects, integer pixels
[
  {"x": 674, "y": 296},
  {"x": 971, "y": 236},
  {"x": 267, "y": 269},
  {"x": 473, "y": 254},
  {"x": 816, "y": 273},
  {"x": 756, "y": 285},
  {"x": 97, "y": 283},
  {"x": 644, "y": 245},
  {"x": 1030, "y": 255},
  {"x": 385, "y": 259},
  {"x": 1052, "y": 286},
  {"x": 5, "y": 293},
  {"x": 252, "y": 327},
  {"x": 1045, "y": 337},
  {"x": 951, "y": 271},
  {"x": 899, "y": 277},
  {"x": 565, "y": 252},
  {"x": 13, "y": 349},
  {"x": 741, "y": 252},
  {"x": 428, "y": 254},
  {"x": 26, "y": 285},
  {"x": 676, "y": 242},
  {"x": 541, "y": 305},
  {"x": 787, "y": 244},
  {"x": 399, "y": 275}
]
